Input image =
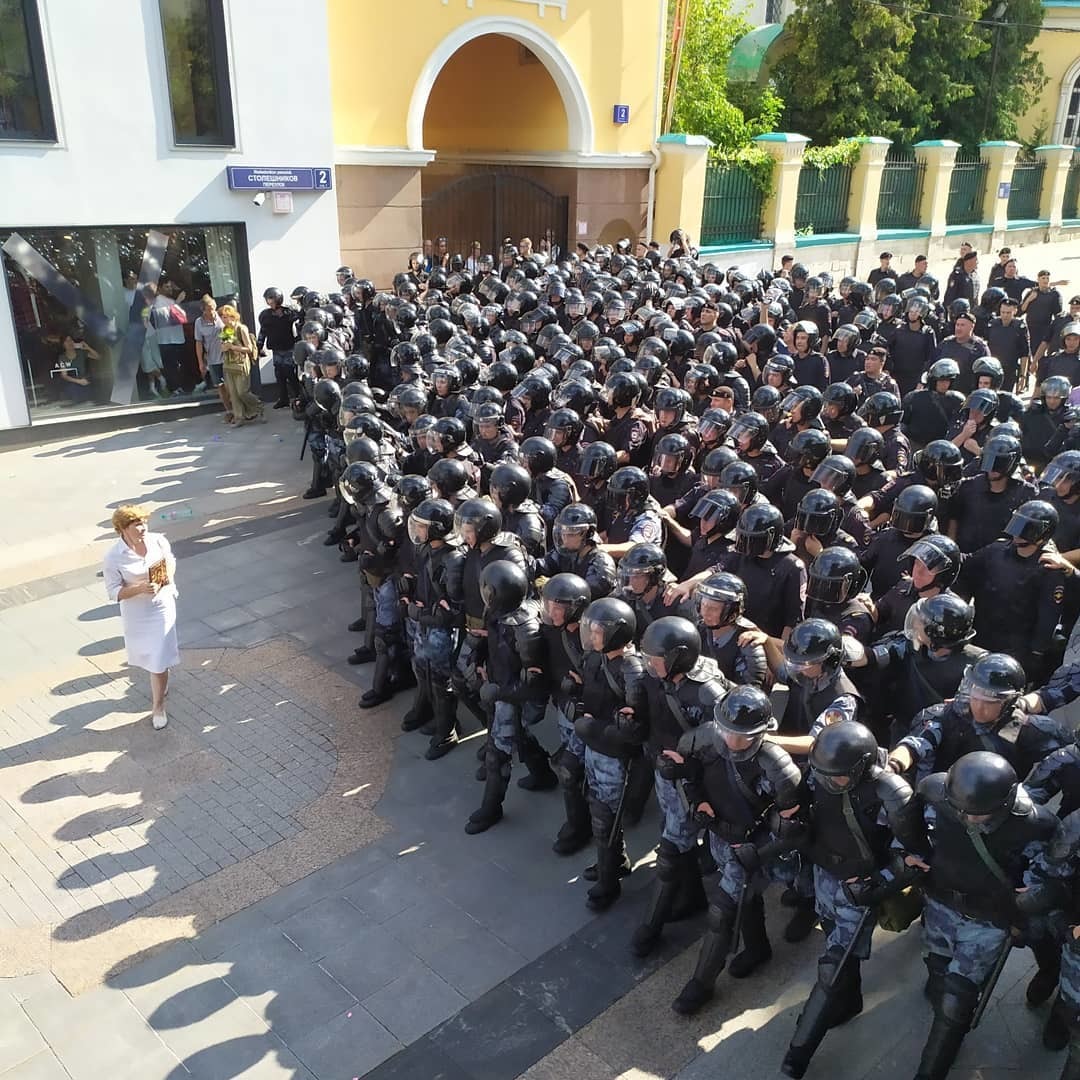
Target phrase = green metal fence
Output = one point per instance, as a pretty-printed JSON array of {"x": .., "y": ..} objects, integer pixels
[
  {"x": 901, "y": 193},
  {"x": 1026, "y": 190},
  {"x": 967, "y": 190},
  {"x": 732, "y": 210},
  {"x": 1070, "y": 207},
  {"x": 822, "y": 204}
]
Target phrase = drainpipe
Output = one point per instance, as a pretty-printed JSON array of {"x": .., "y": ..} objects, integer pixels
[{"x": 661, "y": 29}]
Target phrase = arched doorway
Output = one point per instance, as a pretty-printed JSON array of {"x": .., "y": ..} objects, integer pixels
[{"x": 492, "y": 99}]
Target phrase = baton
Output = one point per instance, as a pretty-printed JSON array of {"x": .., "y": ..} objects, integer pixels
[
  {"x": 868, "y": 913},
  {"x": 988, "y": 989},
  {"x": 619, "y": 810}
]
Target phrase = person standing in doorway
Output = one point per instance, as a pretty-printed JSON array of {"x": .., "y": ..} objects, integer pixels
[
  {"x": 208, "y": 327},
  {"x": 140, "y": 573}
]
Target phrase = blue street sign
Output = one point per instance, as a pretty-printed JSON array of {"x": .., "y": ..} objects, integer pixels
[
  {"x": 1004, "y": 189},
  {"x": 621, "y": 114},
  {"x": 279, "y": 178}
]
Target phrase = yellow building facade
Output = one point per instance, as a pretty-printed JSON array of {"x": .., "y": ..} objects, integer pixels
[
  {"x": 483, "y": 119},
  {"x": 1054, "y": 118}
]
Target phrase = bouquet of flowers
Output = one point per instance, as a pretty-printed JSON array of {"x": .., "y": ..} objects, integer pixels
[{"x": 228, "y": 335}]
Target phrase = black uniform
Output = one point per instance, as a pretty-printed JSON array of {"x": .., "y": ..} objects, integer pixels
[
  {"x": 776, "y": 587},
  {"x": 981, "y": 514}
]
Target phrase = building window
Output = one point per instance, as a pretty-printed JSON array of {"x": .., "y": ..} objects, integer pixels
[
  {"x": 1071, "y": 132},
  {"x": 198, "y": 68},
  {"x": 106, "y": 317},
  {"x": 25, "y": 105}
]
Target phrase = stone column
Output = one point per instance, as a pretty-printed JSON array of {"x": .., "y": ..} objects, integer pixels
[
  {"x": 779, "y": 212},
  {"x": 864, "y": 195},
  {"x": 680, "y": 185},
  {"x": 938, "y": 157},
  {"x": 1001, "y": 157},
  {"x": 1057, "y": 158}
]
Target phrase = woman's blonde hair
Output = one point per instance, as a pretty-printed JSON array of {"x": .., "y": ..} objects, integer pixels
[
  {"x": 123, "y": 516},
  {"x": 228, "y": 309},
  {"x": 209, "y": 302}
]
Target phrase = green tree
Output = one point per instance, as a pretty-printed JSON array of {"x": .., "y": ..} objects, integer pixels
[{"x": 705, "y": 104}]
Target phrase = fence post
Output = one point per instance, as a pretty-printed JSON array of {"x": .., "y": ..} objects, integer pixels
[
  {"x": 778, "y": 215},
  {"x": 680, "y": 185},
  {"x": 938, "y": 156},
  {"x": 865, "y": 192},
  {"x": 1051, "y": 203},
  {"x": 1000, "y": 157}
]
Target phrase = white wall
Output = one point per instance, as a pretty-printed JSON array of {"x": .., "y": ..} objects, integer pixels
[{"x": 115, "y": 163}]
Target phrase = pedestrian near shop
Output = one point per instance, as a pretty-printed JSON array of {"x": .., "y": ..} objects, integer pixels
[{"x": 140, "y": 574}]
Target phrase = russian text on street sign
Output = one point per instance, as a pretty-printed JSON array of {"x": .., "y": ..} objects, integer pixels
[{"x": 274, "y": 178}]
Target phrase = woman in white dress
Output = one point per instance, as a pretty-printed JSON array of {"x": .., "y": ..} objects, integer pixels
[{"x": 140, "y": 572}]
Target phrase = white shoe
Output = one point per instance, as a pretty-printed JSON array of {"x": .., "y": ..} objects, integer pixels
[{"x": 159, "y": 720}]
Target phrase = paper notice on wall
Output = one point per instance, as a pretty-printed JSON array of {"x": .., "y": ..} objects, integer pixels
[{"x": 583, "y": 228}]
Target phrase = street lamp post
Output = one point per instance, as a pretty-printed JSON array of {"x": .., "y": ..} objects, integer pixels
[{"x": 995, "y": 19}]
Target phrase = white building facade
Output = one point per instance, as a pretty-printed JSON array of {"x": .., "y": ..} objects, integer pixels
[{"x": 118, "y": 122}]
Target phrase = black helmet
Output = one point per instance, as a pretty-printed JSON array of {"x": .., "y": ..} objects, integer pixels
[
  {"x": 642, "y": 560},
  {"x": 745, "y": 711},
  {"x": 813, "y": 642},
  {"x": 844, "y": 749},
  {"x": 808, "y": 448},
  {"x": 411, "y": 491},
  {"x": 881, "y": 409},
  {"x": 433, "y": 519},
  {"x": 995, "y": 677},
  {"x": 741, "y": 479},
  {"x": 599, "y": 461},
  {"x": 327, "y": 396},
  {"x": 359, "y": 482},
  {"x": 510, "y": 484},
  {"x": 981, "y": 784},
  {"x": 914, "y": 509},
  {"x": 356, "y": 367},
  {"x": 1033, "y": 522},
  {"x": 941, "y": 464},
  {"x": 946, "y": 368},
  {"x": 577, "y": 519},
  {"x": 766, "y": 401},
  {"x": 717, "y": 511},
  {"x": 503, "y": 587},
  {"x": 716, "y": 460},
  {"x": 477, "y": 521},
  {"x": 672, "y": 454},
  {"x": 750, "y": 431},
  {"x": 1064, "y": 466},
  {"x": 565, "y": 595},
  {"x": 763, "y": 336},
  {"x": 446, "y": 378},
  {"x": 836, "y": 473},
  {"x": 807, "y": 399},
  {"x": 864, "y": 446},
  {"x": 628, "y": 488},
  {"x": 939, "y": 554},
  {"x": 760, "y": 528},
  {"x": 940, "y": 622},
  {"x": 700, "y": 379},
  {"x": 819, "y": 514},
  {"x": 720, "y": 600},
  {"x": 362, "y": 449},
  {"x": 843, "y": 397},
  {"x": 991, "y": 367},
  {"x": 574, "y": 394},
  {"x": 567, "y": 423},
  {"x": 610, "y": 621},
  {"x": 673, "y": 640},
  {"x": 835, "y": 575},
  {"x": 714, "y": 425},
  {"x": 622, "y": 390},
  {"x": 274, "y": 294},
  {"x": 448, "y": 476},
  {"x": 1057, "y": 386},
  {"x": 447, "y": 435},
  {"x": 1001, "y": 455},
  {"x": 984, "y": 402},
  {"x": 538, "y": 454}
]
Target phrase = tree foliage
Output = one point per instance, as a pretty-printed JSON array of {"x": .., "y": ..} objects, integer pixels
[
  {"x": 705, "y": 103},
  {"x": 911, "y": 70}
]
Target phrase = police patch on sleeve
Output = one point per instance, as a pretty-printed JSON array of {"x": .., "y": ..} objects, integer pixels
[
  {"x": 844, "y": 707},
  {"x": 1059, "y": 593}
]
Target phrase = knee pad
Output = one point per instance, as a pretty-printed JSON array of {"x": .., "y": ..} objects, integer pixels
[
  {"x": 568, "y": 767},
  {"x": 602, "y": 818},
  {"x": 828, "y": 966},
  {"x": 959, "y": 1000},
  {"x": 668, "y": 862}
]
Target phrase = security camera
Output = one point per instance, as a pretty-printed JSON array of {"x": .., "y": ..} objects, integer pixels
[{"x": 260, "y": 198}]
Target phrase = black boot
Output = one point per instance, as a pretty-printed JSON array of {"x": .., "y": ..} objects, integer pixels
[
  {"x": 534, "y": 757},
  {"x": 1044, "y": 981},
  {"x": 814, "y": 1020},
  {"x": 756, "y": 949},
  {"x": 639, "y": 786},
  {"x": 690, "y": 900},
  {"x": 334, "y": 508},
  {"x": 576, "y": 831},
  {"x": 363, "y": 655},
  {"x": 420, "y": 713},
  {"x": 318, "y": 481},
  {"x": 669, "y": 875},
  {"x": 444, "y": 706},
  {"x": 357, "y": 625},
  {"x": 715, "y": 946},
  {"x": 802, "y": 922},
  {"x": 608, "y": 836},
  {"x": 952, "y": 1019},
  {"x": 498, "y": 780},
  {"x": 626, "y": 867},
  {"x": 380, "y": 680},
  {"x": 1055, "y": 1035}
]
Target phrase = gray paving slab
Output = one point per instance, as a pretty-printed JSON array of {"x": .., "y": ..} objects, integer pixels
[
  {"x": 350, "y": 1045},
  {"x": 414, "y": 1003},
  {"x": 43, "y": 1066},
  {"x": 20, "y": 1040},
  {"x": 325, "y": 926}
]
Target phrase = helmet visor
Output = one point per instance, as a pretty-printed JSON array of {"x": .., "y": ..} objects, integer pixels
[
  {"x": 753, "y": 543},
  {"x": 418, "y": 530},
  {"x": 1026, "y": 529},
  {"x": 715, "y": 611}
]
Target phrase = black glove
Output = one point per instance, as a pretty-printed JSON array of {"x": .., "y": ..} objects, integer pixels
[
  {"x": 748, "y": 857},
  {"x": 568, "y": 686},
  {"x": 489, "y": 693},
  {"x": 670, "y": 770}
]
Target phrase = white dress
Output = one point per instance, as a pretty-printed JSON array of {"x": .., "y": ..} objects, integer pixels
[{"x": 149, "y": 621}]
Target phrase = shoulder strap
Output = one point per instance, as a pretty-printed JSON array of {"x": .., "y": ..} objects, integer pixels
[
  {"x": 573, "y": 653},
  {"x": 612, "y": 682}
]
